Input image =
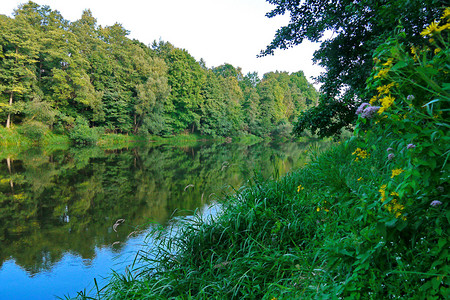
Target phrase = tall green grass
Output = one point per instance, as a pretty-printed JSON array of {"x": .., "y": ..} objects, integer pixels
[{"x": 11, "y": 137}]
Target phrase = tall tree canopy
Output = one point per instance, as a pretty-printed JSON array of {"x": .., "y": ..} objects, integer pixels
[
  {"x": 74, "y": 76},
  {"x": 356, "y": 28}
]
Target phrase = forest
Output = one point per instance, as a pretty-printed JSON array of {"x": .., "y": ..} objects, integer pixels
[{"x": 82, "y": 79}]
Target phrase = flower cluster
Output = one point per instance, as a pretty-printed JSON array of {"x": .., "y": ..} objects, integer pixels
[
  {"x": 367, "y": 111},
  {"x": 360, "y": 154},
  {"x": 393, "y": 206},
  {"x": 382, "y": 191},
  {"x": 386, "y": 102},
  {"x": 323, "y": 208},
  {"x": 396, "y": 172},
  {"x": 435, "y": 203},
  {"x": 370, "y": 111},
  {"x": 434, "y": 26},
  {"x": 300, "y": 188},
  {"x": 382, "y": 73},
  {"x": 361, "y": 108}
]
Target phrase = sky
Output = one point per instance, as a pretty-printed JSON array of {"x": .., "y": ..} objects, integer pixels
[{"x": 219, "y": 31}]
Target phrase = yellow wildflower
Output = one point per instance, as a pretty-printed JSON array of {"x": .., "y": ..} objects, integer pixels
[
  {"x": 437, "y": 50},
  {"x": 430, "y": 29},
  {"x": 385, "y": 88},
  {"x": 372, "y": 100},
  {"x": 300, "y": 188},
  {"x": 389, "y": 62},
  {"x": 318, "y": 209},
  {"x": 360, "y": 154},
  {"x": 360, "y": 178},
  {"x": 398, "y": 207},
  {"x": 414, "y": 52},
  {"x": 446, "y": 13},
  {"x": 396, "y": 172},
  {"x": 382, "y": 191},
  {"x": 394, "y": 194},
  {"x": 389, "y": 207},
  {"x": 382, "y": 73},
  {"x": 386, "y": 102},
  {"x": 443, "y": 27}
]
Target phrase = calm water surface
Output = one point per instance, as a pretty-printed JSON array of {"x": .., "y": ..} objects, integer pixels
[{"x": 58, "y": 209}]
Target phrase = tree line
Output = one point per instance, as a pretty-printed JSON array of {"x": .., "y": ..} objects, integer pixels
[{"x": 71, "y": 76}]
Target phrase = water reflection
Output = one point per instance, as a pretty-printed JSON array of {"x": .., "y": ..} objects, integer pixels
[{"x": 59, "y": 211}]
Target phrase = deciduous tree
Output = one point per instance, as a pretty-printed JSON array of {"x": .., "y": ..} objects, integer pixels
[{"x": 356, "y": 29}]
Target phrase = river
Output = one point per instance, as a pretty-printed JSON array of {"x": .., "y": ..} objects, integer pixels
[{"x": 69, "y": 216}]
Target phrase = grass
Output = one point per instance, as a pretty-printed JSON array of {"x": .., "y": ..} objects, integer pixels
[
  {"x": 114, "y": 141},
  {"x": 11, "y": 137}
]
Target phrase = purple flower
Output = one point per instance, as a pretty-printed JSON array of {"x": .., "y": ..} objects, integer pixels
[
  {"x": 435, "y": 203},
  {"x": 410, "y": 97},
  {"x": 369, "y": 112},
  {"x": 391, "y": 156},
  {"x": 389, "y": 149},
  {"x": 410, "y": 146},
  {"x": 361, "y": 108}
]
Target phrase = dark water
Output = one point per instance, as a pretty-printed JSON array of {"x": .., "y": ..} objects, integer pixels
[{"x": 58, "y": 209}]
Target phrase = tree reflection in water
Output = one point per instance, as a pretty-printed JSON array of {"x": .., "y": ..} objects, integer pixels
[{"x": 68, "y": 201}]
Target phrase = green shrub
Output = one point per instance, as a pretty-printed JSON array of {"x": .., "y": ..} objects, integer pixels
[
  {"x": 82, "y": 134},
  {"x": 33, "y": 130}
]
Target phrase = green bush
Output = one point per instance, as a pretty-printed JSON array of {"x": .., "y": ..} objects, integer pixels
[
  {"x": 82, "y": 134},
  {"x": 33, "y": 130}
]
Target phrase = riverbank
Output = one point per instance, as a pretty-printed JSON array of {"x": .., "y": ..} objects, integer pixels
[
  {"x": 321, "y": 231},
  {"x": 15, "y": 138}
]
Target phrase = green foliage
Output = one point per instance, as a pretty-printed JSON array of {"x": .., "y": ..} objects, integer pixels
[
  {"x": 186, "y": 78},
  {"x": 34, "y": 130},
  {"x": 82, "y": 134},
  {"x": 410, "y": 92},
  {"x": 358, "y": 28},
  {"x": 54, "y": 71},
  {"x": 12, "y": 137}
]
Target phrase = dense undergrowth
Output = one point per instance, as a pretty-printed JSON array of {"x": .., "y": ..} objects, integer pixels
[{"x": 368, "y": 219}]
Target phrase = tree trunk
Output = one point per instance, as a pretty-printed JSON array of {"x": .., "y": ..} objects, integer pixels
[
  {"x": 8, "y": 121},
  {"x": 11, "y": 183}
]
